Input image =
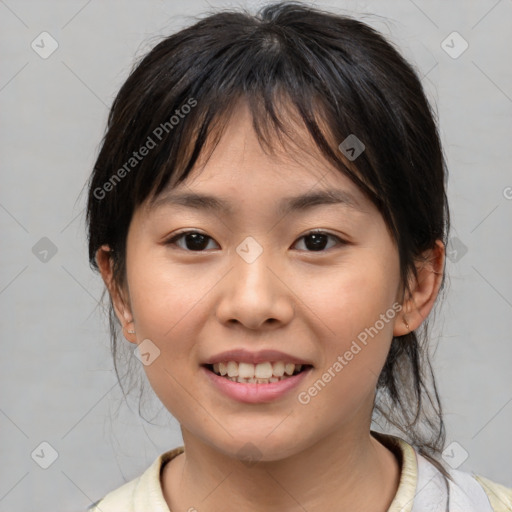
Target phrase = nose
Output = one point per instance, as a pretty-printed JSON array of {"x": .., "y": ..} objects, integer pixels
[{"x": 256, "y": 296}]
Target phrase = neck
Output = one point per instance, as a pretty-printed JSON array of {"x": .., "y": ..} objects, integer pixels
[{"x": 343, "y": 469}]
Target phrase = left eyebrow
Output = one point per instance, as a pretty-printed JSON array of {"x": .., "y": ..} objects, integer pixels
[{"x": 286, "y": 205}]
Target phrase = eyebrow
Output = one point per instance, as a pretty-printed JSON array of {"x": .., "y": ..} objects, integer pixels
[{"x": 286, "y": 205}]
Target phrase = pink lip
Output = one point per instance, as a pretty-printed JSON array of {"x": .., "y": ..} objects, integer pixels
[
  {"x": 255, "y": 393},
  {"x": 244, "y": 356}
]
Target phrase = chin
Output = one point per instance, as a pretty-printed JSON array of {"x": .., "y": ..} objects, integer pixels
[{"x": 258, "y": 447}]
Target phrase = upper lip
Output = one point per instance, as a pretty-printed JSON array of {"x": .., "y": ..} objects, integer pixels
[{"x": 262, "y": 356}]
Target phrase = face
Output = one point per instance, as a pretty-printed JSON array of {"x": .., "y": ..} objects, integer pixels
[{"x": 253, "y": 277}]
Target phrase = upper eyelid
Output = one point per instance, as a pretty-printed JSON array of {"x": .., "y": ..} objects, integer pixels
[
  {"x": 319, "y": 231},
  {"x": 311, "y": 232}
]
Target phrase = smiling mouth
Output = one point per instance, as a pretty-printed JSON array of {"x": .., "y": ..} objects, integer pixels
[{"x": 262, "y": 373}]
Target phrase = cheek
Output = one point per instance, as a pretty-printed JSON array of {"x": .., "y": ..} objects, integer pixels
[
  {"x": 359, "y": 316},
  {"x": 164, "y": 299},
  {"x": 352, "y": 297},
  {"x": 352, "y": 357},
  {"x": 164, "y": 304}
]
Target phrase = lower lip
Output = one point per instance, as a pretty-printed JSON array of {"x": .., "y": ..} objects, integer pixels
[{"x": 255, "y": 393}]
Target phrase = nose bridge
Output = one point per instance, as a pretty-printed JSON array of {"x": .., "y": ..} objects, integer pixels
[
  {"x": 254, "y": 278},
  {"x": 253, "y": 294}
]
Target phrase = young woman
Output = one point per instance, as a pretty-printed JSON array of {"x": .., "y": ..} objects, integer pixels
[{"x": 268, "y": 213}]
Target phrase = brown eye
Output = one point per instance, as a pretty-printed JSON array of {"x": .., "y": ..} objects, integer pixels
[
  {"x": 193, "y": 241},
  {"x": 316, "y": 241}
]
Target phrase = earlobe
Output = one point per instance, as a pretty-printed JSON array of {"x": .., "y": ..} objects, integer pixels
[
  {"x": 105, "y": 262},
  {"x": 417, "y": 306}
]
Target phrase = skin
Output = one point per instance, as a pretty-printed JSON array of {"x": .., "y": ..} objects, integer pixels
[{"x": 311, "y": 304}]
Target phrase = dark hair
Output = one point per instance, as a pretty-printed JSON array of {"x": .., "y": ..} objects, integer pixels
[{"x": 340, "y": 77}]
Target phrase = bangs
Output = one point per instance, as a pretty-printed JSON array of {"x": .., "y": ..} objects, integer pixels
[
  {"x": 290, "y": 89},
  {"x": 293, "y": 129},
  {"x": 309, "y": 82}
]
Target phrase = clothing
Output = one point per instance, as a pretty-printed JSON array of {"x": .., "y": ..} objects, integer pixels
[{"x": 421, "y": 487}]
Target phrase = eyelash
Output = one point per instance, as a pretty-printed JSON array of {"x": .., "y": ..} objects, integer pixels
[{"x": 177, "y": 236}]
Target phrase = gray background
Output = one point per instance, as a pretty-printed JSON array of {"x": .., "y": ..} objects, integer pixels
[{"x": 56, "y": 375}]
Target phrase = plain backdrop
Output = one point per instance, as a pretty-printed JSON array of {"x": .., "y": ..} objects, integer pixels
[{"x": 57, "y": 384}]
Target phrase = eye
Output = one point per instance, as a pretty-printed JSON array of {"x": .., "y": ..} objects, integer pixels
[
  {"x": 195, "y": 241},
  {"x": 316, "y": 240}
]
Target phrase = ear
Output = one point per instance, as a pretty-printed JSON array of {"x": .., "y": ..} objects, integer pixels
[
  {"x": 105, "y": 262},
  {"x": 418, "y": 304}
]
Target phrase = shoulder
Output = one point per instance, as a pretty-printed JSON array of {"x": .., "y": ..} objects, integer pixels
[
  {"x": 423, "y": 487},
  {"x": 467, "y": 491},
  {"x": 141, "y": 493},
  {"x": 499, "y": 495},
  {"x": 118, "y": 499},
  {"x": 474, "y": 492}
]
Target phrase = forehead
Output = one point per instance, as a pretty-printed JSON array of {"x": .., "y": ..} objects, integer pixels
[{"x": 292, "y": 173}]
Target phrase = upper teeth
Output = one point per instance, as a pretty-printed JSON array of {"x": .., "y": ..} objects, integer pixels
[{"x": 259, "y": 371}]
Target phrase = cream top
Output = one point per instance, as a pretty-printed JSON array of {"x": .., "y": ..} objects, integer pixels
[{"x": 144, "y": 493}]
